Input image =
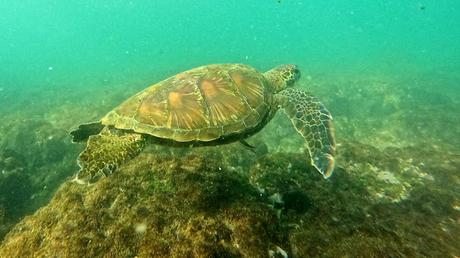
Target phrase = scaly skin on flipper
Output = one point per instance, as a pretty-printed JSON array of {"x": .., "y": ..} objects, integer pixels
[
  {"x": 314, "y": 122},
  {"x": 107, "y": 151}
]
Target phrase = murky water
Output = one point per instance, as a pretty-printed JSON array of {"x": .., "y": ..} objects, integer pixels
[{"x": 387, "y": 71}]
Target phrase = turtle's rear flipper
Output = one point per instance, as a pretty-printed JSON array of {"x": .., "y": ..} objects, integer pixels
[
  {"x": 314, "y": 122},
  {"x": 105, "y": 152},
  {"x": 84, "y": 131}
]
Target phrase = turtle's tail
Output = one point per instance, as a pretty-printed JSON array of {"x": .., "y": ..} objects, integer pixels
[{"x": 84, "y": 131}]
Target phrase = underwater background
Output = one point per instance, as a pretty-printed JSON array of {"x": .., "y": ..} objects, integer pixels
[{"x": 388, "y": 71}]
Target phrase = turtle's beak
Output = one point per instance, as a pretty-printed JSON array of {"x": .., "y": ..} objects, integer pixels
[{"x": 296, "y": 73}]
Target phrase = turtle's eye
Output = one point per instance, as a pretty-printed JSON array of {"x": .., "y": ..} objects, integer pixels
[{"x": 291, "y": 75}]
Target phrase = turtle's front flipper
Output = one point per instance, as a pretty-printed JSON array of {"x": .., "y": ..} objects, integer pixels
[
  {"x": 314, "y": 122},
  {"x": 106, "y": 151}
]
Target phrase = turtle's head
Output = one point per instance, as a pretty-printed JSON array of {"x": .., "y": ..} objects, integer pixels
[{"x": 283, "y": 76}]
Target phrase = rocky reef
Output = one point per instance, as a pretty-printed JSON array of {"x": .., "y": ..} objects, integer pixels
[
  {"x": 196, "y": 203},
  {"x": 157, "y": 205},
  {"x": 36, "y": 154},
  {"x": 394, "y": 192},
  {"x": 34, "y": 159}
]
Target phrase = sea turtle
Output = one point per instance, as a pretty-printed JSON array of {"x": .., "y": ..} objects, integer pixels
[{"x": 208, "y": 105}]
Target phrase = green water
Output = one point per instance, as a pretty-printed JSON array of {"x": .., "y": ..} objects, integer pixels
[
  {"x": 81, "y": 39},
  {"x": 388, "y": 71}
]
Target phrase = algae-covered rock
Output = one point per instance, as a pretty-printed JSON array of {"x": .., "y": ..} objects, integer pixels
[
  {"x": 15, "y": 191},
  {"x": 35, "y": 158},
  {"x": 4, "y": 225},
  {"x": 410, "y": 214},
  {"x": 413, "y": 211},
  {"x": 158, "y": 206},
  {"x": 226, "y": 202},
  {"x": 39, "y": 142}
]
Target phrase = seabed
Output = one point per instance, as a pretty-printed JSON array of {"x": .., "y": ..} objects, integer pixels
[{"x": 394, "y": 192}]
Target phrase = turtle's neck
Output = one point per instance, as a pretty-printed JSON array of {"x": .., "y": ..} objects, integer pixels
[
  {"x": 275, "y": 79},
  {"x": 282, "y": 76}
]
